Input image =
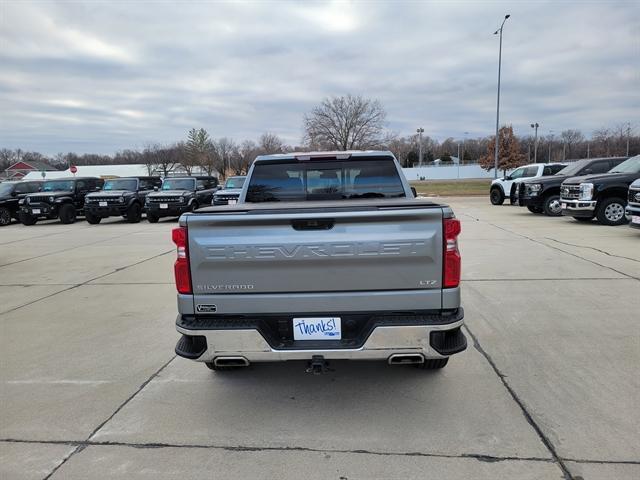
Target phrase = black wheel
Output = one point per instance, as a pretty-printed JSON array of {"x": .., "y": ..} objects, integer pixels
[
  {"x": 552, "y": 206},
  {"x": 92, "y": 219},
  {"x": 5, "y": 217},
  {"x": 27, "y": 219},
  {"x": 534, "y": 209},
  {"x": 134, "y": 213},
  {"x": 611, "y": 211},
  {"x": 583, "y": 219},
  {"x": 496, "y": 196},
  {"x": 433, "y": 364},
  {"x": 67, "y": 214},
  {"x": 152, "y": 217},
  {"x": 194, "y": 206},
  {"x": 513, "y": 194}
]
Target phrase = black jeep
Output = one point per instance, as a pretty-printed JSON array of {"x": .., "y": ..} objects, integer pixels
[
  {"x": 10, "y": 194},
  {"x": 120, "y": 197},
  {"x": 542, "y": 195},
  {"x": 179, "y": 195},
  {"x": 61, "y": 198},
  {"x": 602, "y": 196}
]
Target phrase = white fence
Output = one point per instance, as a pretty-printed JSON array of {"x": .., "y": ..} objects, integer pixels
[{"x": 448, "y": 172}]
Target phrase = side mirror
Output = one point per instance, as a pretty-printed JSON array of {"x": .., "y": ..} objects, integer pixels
[
  {"x": 14, "y": 194},
  {"x": 155, "y": 189},
  {"x": 588, "y": 171},
  {"x": 415, "y": 193},
  {"x": 508, "y": 177}
]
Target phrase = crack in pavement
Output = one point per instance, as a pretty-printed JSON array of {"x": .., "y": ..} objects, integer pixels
[
  {"x": 82, "y": 445},
  {"x": 531, "y": 239},
  {"x": 247, "y": 448},
  {"x": 527, "y": 415},
  {"x": 70, "y": 248},
  {"x": 592, "y": 248},
  {"x": 73, "y": 286}
]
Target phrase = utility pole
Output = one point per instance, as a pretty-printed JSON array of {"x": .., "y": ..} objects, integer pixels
[
  {"x": 588, "y": 153},
  {"x": 550, "y": 142},
  {"x": 420, "y": 132},
  {"x": 628, "y": 136},
  {"x": 495, "y": 155},
  {"x": 535, "y": 143}
]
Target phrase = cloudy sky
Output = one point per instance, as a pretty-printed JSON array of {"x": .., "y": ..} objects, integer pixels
[{"x": 101, "y": 76}]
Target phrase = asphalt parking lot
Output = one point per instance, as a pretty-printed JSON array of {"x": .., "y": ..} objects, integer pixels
[{"x": 549, "y": 387}]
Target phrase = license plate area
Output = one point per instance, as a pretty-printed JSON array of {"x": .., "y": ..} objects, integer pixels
[
  {"x": 164, "y": 206},
  {"x": 317, "y": 328},
  {"x": 36, "y": 211},
  {"x": 103, "y": 204},
  {"x": 635, "y": 219},
  {"x": 232, "y": 201}
]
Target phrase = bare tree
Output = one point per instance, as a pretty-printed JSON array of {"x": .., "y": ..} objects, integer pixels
[
  {"x": 270, "y": 143},
  {"x": 346, "y": 123},
  {"x": 571, "y": 139},
  {"x": 224, "y": 149}
]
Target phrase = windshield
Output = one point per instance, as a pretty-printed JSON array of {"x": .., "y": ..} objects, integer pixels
[
  {"x": 179, "y": 184},
  {"x": 631, "y": 165},
  {"x": 235, "y": 182},
  {"x": 124, "y": 184},
  {"x": 58, "y": 185},
  {"x": 324, "y": 180},
  {"x": 6, "y": 188},
  {"x": 572, "y": 169}
]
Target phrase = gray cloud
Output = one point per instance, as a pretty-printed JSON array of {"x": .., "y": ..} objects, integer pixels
[{"x": 98, "y": 77}]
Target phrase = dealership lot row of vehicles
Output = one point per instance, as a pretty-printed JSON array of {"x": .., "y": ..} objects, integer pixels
[
  {"x": 604, "y": 189},
  {"x": 94, "y": 198}
]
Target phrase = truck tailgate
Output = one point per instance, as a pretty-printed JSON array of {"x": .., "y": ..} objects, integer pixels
[{"x": 315, "y": 250}]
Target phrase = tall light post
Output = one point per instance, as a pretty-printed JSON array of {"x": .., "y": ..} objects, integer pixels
[
  {"x": 420, "y": 132},
  {"x": 550, "y": 142},
  {"x": 535, "y": 142},
  {"x": 495, "y": 157}
]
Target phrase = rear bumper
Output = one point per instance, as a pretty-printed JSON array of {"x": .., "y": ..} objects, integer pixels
[
  {"x": 430, "y": 337},
  {"x": 578, "y": 208}
]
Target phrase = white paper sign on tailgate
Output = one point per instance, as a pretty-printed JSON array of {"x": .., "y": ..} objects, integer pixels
[{"x": 317, "y": 328}]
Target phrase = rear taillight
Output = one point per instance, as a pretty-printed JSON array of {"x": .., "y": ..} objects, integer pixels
[
  {"x": 452, "y": 260},
  {"x": 181, "y": 267}
]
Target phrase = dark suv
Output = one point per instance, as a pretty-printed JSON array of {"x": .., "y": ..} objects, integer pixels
[
  {"x": 120, "y": 197},
  {"x": 10, "y": 194},
  {"x": 603, "y": 196},
  {"x": 62, "y": 198},
  {"x": 229, "y": 194},
  {"x": 542, "y": 195},
  {"x": 179, "y": 195}
]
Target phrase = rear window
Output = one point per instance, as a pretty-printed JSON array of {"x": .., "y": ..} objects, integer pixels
[{"x": 324, "y": 180}]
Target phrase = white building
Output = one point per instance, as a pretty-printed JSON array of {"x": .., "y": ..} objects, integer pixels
[{"x": 110, "y": 171}]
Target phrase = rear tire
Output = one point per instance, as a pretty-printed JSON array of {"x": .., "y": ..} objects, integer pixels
[
  {"x": 5, "y": 217},
  {"x": 152, "y": 218},
  {"x": 611, "y": 211},
  {"x": 533, "y": 209},
  {"x": 496, "y": 196},
  {"x": 92, "y": 219},
  {"x": 552, "y": 206},
  {"x": 433, "y": 364},
  {"x": 67, "y": 214},
  {"x": 27, "y": 219},
  {"x": 134, "y": 213}
]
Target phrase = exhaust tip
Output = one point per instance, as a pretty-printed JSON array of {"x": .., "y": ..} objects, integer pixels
[
  {"x": 230, "y": 362},
  {"x": 406, "y": 359}
]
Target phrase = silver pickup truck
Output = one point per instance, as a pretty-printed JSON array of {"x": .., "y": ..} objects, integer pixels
[{"x": 325, "y": 256}]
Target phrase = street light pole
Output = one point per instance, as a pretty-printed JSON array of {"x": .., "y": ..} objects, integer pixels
[
  {"x": 420, "y": 132},
  {"x": 550, "y": 142},
  {"x": 535, "y": 142},
  {"x": 495, "y": 157}
]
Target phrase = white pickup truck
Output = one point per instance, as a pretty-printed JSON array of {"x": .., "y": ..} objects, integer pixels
[{"x": 325, "y": 256}]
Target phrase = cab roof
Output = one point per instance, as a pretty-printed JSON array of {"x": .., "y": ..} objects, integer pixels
[{"x": 339, "y": 154}]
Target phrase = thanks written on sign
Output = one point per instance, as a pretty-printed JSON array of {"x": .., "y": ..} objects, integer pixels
[{"x": 321, "y": 328}]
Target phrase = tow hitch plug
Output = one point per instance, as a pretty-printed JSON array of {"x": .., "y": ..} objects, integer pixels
[{"x": 317, "y": 365}]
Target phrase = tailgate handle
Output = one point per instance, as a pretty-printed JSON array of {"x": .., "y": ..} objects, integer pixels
[{"x": 313, "y": 224}]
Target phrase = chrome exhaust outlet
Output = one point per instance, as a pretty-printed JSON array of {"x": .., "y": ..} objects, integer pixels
[
  {"x": 230, "y": 362},
  {"x": 406, "y": 359}
]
